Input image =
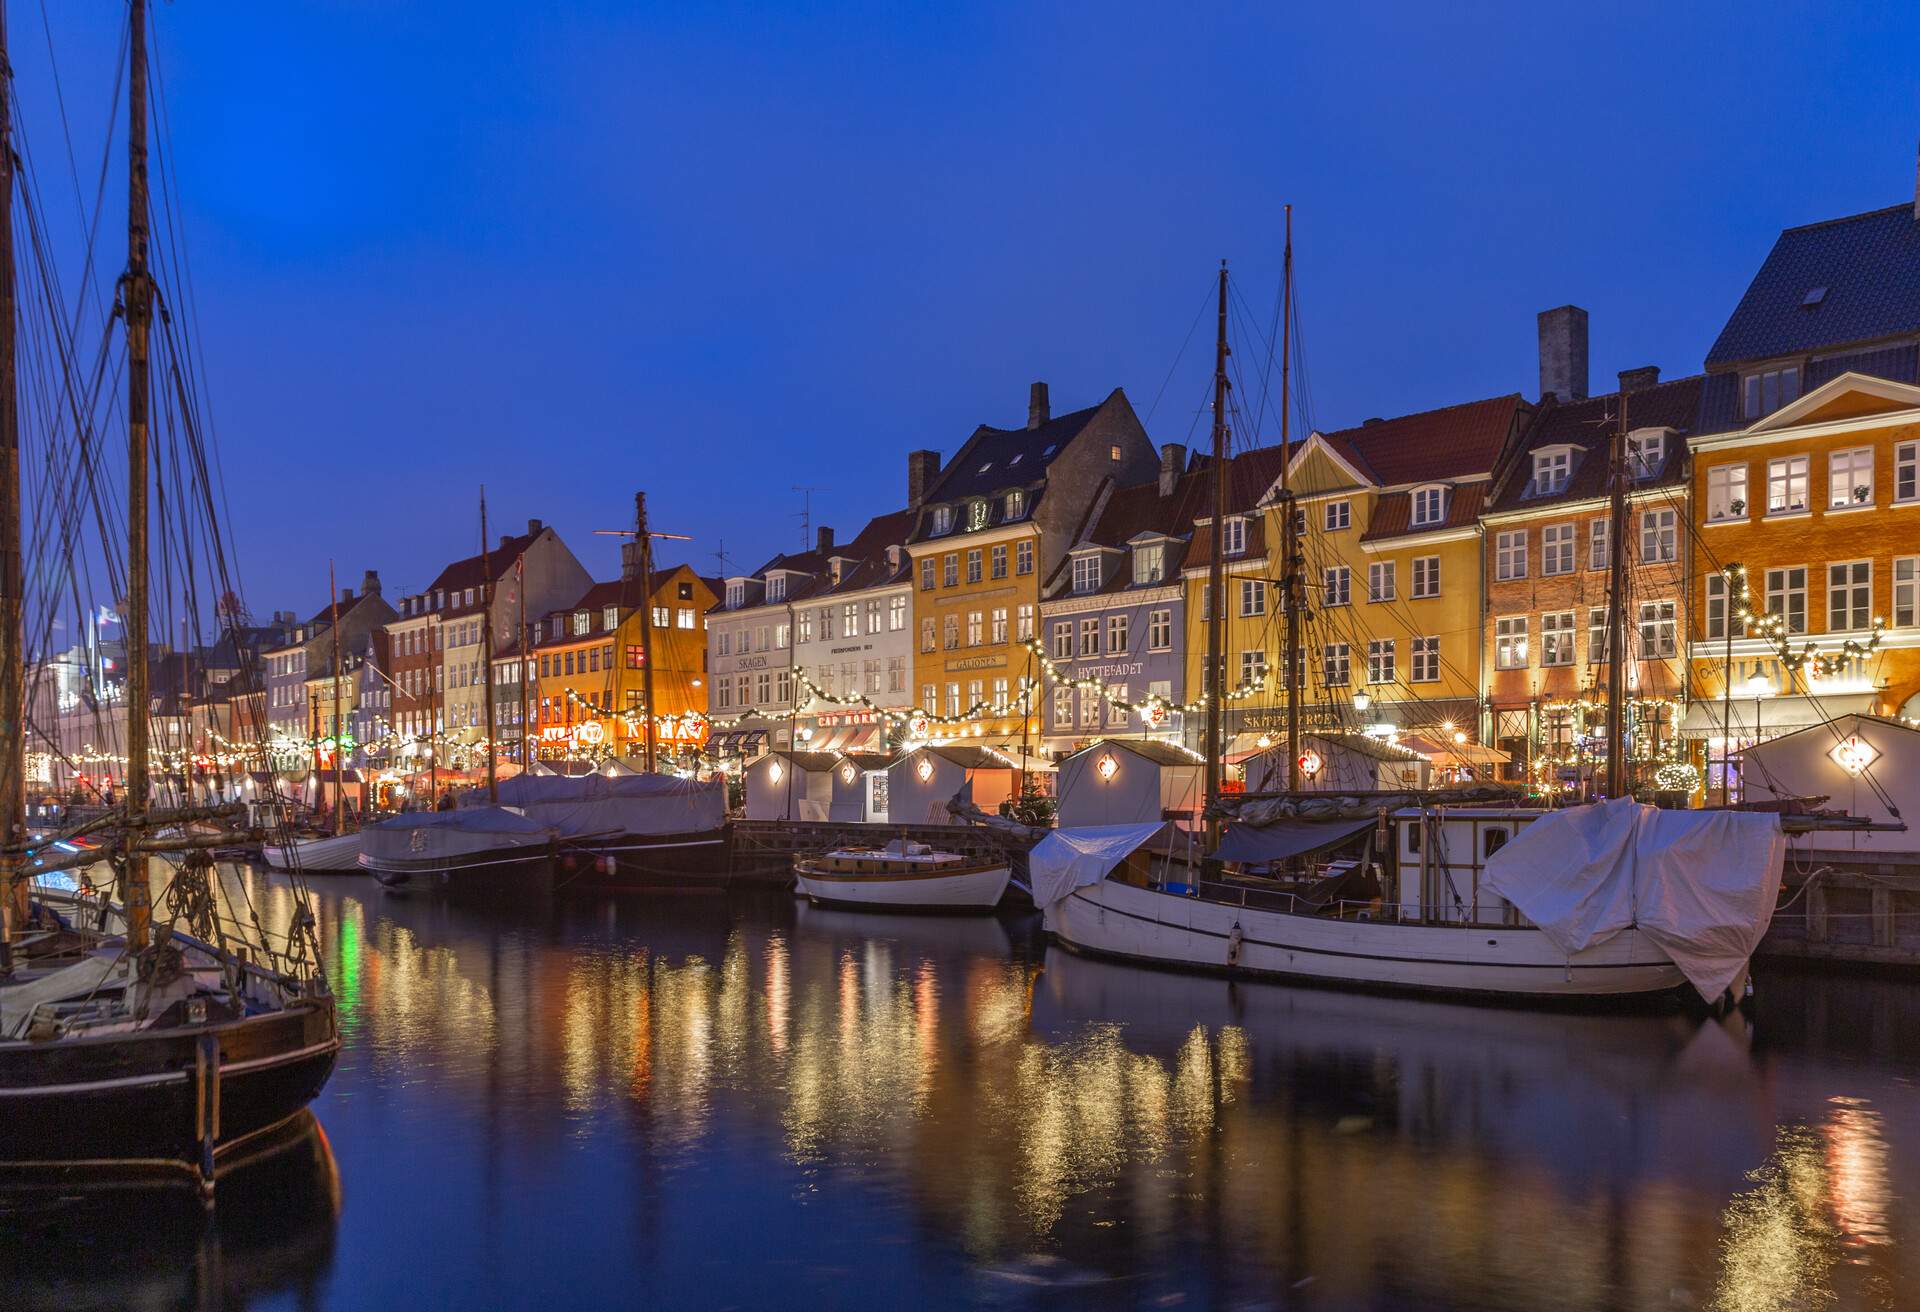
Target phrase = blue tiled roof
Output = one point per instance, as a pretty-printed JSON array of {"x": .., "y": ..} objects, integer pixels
[{"x": 1869, "y": 268}]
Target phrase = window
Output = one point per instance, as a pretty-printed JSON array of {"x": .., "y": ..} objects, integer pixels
[
  {"x": 1023, "y": 624},
  {"x": 826, "y": 624},
  {"x": 724, "y": 643},
  {"x": 973, "y": 565},
  {"x": 1160, "y": 630},
  {"x": 1089, "y": 709},
  {"x": 896, "y": 674},
  {"x": 1770, "y": 389},
  {"x": 636, "y": 656},
  {"x": 776, "y": 587},
  {"x": 1252, "y": 669},
  {"x": 976, "y": 628},
  {"x": 999, "y": 626},
  {"x": 1429, "y": 505},
  {"x": 1556, "y": 549},
  {"x": 950, "y": 570},
  {"x": 1510, "y": 643},
  {"x": 1510, "y": 555},
  {"x": 1906, "y": 471},
  {"x": 926, "y": 574},
  {"x": 1086, "y": 573},
  {"x": 1426, "y": 576},
  {"x": 953, "y": 699},
  {"x": 1116, "y": 714},
  {"x": 1599, "y": 641},
  {"x": 782, "y": 688},
  {"x": 1000, "y": 701},
  {"x": 942, "y": 520},
  {"x": 897, "y": 614},
  {"x": 1550, "y": 472},
  {"x": 998, "y": 566},
  {"x": 870, "y": 668},
  {"x": 929, "y": 698},
  {"x": 976, "y": 514},
  {"x": 1380, "y": 581},
  {"x": 736, "y": 594},
  {"x": 1850, "y": 477},
  {"x": 1150, "y": 563},
  {"x": 1116, "y": 635},
  {"x": 1599, "y": 544},
  {"x": 1717, "y": 599},
  {"x": 1090, "y": 636},
  {"x": 1016, "y": 504},
  {"x": 1787, "y": 596},
  {"x": 1233, "y": 536},
  {"x": 1849, "y": 596},
  {"x": 1786, "y": 485},
  {"x": 1335, "y": 665},
  {"x": 1726, "y": 493},
  {"x": 950, "y": 632},
  {"x": 683, "y": 618},
  {"x": 1426, "y": 660},
  {"x": 1339, "y": 515},
  {"x": 1906, "y": 591},
  {"x": 1658, "y": 639},
  {"x": 1063, "y": 640},
  {"x": 873, "y": 616},
  {"x": 1338, "y": 589},
  {"x": 1023, "y": 558},
  {"x": 1380, "y": 662},
  {"x": 1645, "y": 452},
  {"x": 1253, "y": 597},
  {"x": 1659, "y": 535},
  {"x": 781, "y": 634},
  {"x": 1063, "y": 707},
  {"x": 1556, "y": 638}
]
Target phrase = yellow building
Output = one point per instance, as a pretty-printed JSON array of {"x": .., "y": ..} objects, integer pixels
[
  {"x": 1819, "y": 502},
  {"x": 1390, "y": 554},
  {"x": 991, "y": 526},
  {"x": 591, "y": 661}
]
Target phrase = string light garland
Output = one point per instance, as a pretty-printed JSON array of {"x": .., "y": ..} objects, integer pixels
[{"x": 1773, "y": 629}]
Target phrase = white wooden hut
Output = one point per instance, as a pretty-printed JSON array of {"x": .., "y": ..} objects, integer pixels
[
  {"x": 922, "y": 782},
  {"x": 1119, "y": 781},
  {"x": 860, "y": 787},
  {"x": 1341, "y": 763},
  {"x": 783, "y": 785},
  {"x": 1857, "y": 762}
]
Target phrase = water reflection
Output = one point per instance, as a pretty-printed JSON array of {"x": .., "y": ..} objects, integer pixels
[{"x": 746, "y": 1102}]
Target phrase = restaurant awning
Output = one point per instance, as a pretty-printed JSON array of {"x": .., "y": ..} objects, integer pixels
[
  {"x": 1765, "y": 717},
  {"x": 1255, "y": 845}
]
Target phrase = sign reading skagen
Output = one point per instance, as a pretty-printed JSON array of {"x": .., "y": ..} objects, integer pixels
[
  {"x": 978, "y": 663},
  {"x": 750, "y": 663}
]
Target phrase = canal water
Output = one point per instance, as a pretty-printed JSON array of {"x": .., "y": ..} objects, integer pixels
[{"x": 711, "y": 1102}]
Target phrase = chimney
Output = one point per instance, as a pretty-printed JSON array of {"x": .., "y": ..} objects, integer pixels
[
  {"x": 346, "y": 598},
  {"x": 1563, "y": 353},
  {"x": 1173, "y": 462},
  {"x": 1037, "y": 405},
  {"x": 1639, "y": 380},
  {"x": 923, "y": 467},
  {"x": 533, "y": 527},
  {"x": 370, "y": 583},
  {"x": 823, "y": 539}
]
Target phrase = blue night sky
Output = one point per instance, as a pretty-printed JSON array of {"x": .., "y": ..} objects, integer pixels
[{"x": 719, "y": 250}]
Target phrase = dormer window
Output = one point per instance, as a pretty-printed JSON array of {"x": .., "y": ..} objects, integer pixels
[
  {"x": 976, "y": 514},
  {"x": 1551, "y": 469},
  {"x": 776, "y": 587},
  {"x": 1429, "y": 506},
  {"x": 736, "y": 595},
  {"x": 1086, "y": 573},
  {"x": 1233, "y": 536},
  {"x": 1769, "y": 389},
  {"x": 942, "y": 520},
  {"x": 1016, "y": 504},
  {"x": 582, "y": 623},
  {"x": 610, "y": 617},
  {"x": 1150, "y": 563},
  {"x": 893, "y": 557},
  {"x": 1645, "y": 452},
  {"x": 1016, "y": 459}
]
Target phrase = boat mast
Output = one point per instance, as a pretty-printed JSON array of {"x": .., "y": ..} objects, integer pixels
[
  {"x": 524, "y": 647},
  {"x": 13, "y": 638},
  {"x": 137, "y": 304},
  {"x": 645, "y": 545},
  {"x": 1616, "y": 608},
  {"x": 1211, "y": 682},
  {"x": 1290, "y": 528},
  {"x": 333, "y": 623},
  {"x": 486, "y": 649}
]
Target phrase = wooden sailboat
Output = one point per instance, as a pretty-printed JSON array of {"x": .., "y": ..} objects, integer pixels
[{"x": 125, "y": 1041}]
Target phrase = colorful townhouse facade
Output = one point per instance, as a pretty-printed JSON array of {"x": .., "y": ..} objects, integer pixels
[{"x": 307, "y": 655}]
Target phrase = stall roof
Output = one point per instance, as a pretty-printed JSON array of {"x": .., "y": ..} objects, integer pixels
[
  {"x": 1149, "y": 748},
  {"x": 1284, "y": 838}
]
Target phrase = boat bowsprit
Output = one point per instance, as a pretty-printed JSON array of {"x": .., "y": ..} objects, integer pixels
[
  {"x": 902, "y": 876},
  {"x": 473, "y": 847}
]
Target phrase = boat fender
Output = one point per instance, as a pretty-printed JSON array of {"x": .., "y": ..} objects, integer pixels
[
  {"x": 606, "y": 863},
  {"x": 1233, "y": 945}
]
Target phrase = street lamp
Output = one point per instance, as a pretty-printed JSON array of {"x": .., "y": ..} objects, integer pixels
[{"x": 1361, "y": 700}]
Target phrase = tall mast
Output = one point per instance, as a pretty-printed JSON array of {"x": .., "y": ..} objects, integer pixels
[
  {"x": 1211, "y": 682},
  {"x": 137, "y": 300},
  {"x": 525, "y": 649},
  {"x": 486, "y": 649},
  {"x": 1616, "y": 610},
  {"x": 647, "y": 652},
  {"x": 333, "y": 623},
  {"x": 13, "y": 638},
  {"x": 1289, "y": 528}
]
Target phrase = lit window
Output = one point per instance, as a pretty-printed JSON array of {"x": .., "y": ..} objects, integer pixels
[
  {"x": 1149, "y": 564},
  {"x": 1016, "y": 504},
  {"x": 1556, "y": 638},
  {"x": 1510, "y": 643},
  {"x": 776, "y": 587},
  {"x": 976, "y": 514},
  {"x": 1726, "y": 493},
  {"x": 1786, "y": 485},
  {"x": 1850, "y": 478}
]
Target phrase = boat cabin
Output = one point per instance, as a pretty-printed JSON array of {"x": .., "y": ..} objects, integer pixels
[{"x": 1122, "y": 781}]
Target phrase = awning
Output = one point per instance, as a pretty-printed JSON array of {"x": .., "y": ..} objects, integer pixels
[
  {"x": 864, "y": 738},
  {"x": 1255, "y": 845},
  {"x": 740, "y": 742},
  {"x": 1766, "y": 717},
  {"x": 1468, "y": 753}
]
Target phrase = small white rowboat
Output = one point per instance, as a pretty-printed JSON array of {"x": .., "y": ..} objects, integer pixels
[{"x": 902, "y": 876}]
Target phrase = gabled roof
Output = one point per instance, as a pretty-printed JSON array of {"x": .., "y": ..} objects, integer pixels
[
  {"x": 1456, "y": 441},
  {"x": 967, "y": 758},
  {"x": 867, "y": 548},
  {"x": 1393, "y": 513},
  {"x": 1588, "y": 427},
  {"x": 1148, "y": 748},
  {"x": 477, "y": 570},
  {"x": 1866, "y": 271},
  {"x": 997, "y": 459}
]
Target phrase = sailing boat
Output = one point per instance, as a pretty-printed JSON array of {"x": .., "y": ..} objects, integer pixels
[
  {"x": 1450, "y": 893},
  {"x": 132, "y": 1033},
  {"x": 337, "y": 852}
]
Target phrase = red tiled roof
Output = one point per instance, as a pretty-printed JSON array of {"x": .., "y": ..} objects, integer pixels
[
  {"x": 1393, "y": 513},
  {"x": 1588, "y": 426},
  {"x": 1455, "y": 441}
]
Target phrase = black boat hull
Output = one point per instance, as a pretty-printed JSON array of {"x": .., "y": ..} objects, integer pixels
[
  {"x": 695, "y": 860},
  {"x": 143, "y": 1098},
  {"x": 527, "y": 870}
]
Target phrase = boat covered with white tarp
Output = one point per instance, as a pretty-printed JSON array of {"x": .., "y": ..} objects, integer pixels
[
  {"x": 638, "y": 828},
  {"x": 476, "y": 846}
]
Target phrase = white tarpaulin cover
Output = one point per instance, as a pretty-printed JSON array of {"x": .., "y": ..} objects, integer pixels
[
  {"x": 1067, "y": 859},
  {"x": 584, "y": 805},
  {"x": 1700, "y": 884}
]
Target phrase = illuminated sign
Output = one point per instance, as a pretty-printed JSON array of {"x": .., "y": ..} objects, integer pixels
[
  {"x": 1310, "y": 763},
  {"x": 924, "y": 769},
  {"x": 1107, "y": 766},
  {"x": 1854, "y": 754}
]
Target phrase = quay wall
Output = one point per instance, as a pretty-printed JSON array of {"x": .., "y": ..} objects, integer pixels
[{"x": 1853, "y": 910}]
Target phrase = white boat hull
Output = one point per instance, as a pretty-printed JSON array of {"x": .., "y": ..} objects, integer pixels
[
  {"x": 338, "y": 855},
  {"x": 1142, "y": 924},
  {"x": 970, "y": 890}
]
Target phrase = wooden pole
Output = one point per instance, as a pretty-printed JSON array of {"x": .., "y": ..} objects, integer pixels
[
  {"x": 525, "y": 648},
  {"x": 1290, "y": 529},
  {"x": 13, "y": 638},
  {"x": 1616, "y": 607},
  {"x": 646, "y": 623},
  {"x": 333, "y": 623},
  {"x": 137, "y": 300},
  {"x": 486, "y": 650},
  {"x": 1216, "y": 569}
]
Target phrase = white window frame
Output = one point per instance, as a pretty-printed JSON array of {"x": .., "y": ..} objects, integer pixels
[
  {"x": 1253, "y": 598},
  {"x": 1429, "y": 506},
  {"x": 1906, "y": 473},
  {"x": 1382, "y": 654},
  {"x": 1556, "y": 549},
  {"x": 1850, "y": 473},
  {"x": 1551, "y": 470},
  {"x": 1510, "y": 642},
  {"x": 1160, "y": 630},
  {"x": 1556, "y": 638},
  {"x": 1233, "y": 535},
  {"x": 1906, "y": 591},
  {"x": 1337, "y": 587},
  {"x": 1425, "y": 664},
  {"x": 1659, "y": 631},
  {"x": 1339, "y": 515},
  {"x": 1118, "y": 638},
  {"x": 1659, "y": 536},
  {"x": 1782, "y": 592},
  {"x": 1719, "y": 613},
  {"x": 1646, "y": 452},
  {"x": 1789, "y": 486},
  {"x": 1510, "y": 555},
  {"x": 1382, "y": 583},
  {"x": 1336, "y": 665},
  {"x": 1086, "y": 573},
  {"x": 1426, "y": 582},
  {"x": 1853, "y": 593},
  {"x": 1599, "y": 543},
  {"x": 1726, "y": 486},
  {"x": 1766, "y": 390}
]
